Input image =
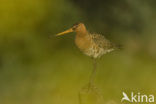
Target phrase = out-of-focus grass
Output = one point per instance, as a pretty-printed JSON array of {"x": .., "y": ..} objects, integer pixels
[
  {"x": 36, "y": 69},
  {"x": 58, "y": 79}
]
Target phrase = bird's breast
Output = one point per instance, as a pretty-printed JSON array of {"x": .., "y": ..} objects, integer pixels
[{"x": 83, "y": 42}]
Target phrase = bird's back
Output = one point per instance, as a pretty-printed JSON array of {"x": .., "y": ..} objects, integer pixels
[
  {"x": 100, "y": 45},
  {"x": 102, "y": 42}
]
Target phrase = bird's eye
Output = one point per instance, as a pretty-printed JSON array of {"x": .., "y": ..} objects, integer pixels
[
  {"x": 76, "y": 24},
  {"x": 74, "y": 27}
]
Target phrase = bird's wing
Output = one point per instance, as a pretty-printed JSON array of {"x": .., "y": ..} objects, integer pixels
[{"x": 101, "y": 41}]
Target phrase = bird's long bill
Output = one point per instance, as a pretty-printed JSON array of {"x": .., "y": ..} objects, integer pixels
[{"x": 65, "y": 32}]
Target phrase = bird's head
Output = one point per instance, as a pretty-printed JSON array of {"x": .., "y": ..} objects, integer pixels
[{"x": 78, "y": 27}]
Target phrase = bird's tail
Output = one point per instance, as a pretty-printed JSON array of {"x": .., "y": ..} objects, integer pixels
[{"x": 118, "y": 46}]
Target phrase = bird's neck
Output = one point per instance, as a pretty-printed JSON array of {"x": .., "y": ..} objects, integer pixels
[
  {"x": 83, "y": 40},
  {"x": 82, "y": 33}
]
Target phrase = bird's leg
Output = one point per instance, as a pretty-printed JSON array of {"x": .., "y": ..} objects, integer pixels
[
  {"x": 92, "y": 76},
  {"x": 90, "y": 94}
]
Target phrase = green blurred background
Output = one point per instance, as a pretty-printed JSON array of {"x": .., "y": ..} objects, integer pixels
[{"x": 37, "y": 69}]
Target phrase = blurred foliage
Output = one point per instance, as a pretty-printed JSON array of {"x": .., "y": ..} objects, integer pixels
[{"x": 38, "y": 68}]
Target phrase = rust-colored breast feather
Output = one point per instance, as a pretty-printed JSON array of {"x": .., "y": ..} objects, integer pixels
[{"x": 83, "y": 42}]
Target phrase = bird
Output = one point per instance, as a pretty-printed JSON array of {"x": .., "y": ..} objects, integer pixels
[{"x": 91, "y": 44}]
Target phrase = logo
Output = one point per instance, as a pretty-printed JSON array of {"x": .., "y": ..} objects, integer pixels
[{"x": 137, "y": 98}]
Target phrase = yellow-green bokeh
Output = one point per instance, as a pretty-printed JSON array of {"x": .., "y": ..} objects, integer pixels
[{"x": 38, "y": 68}]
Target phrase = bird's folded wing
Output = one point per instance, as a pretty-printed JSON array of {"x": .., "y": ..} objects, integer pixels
[{"x": 101, "y": 41}]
